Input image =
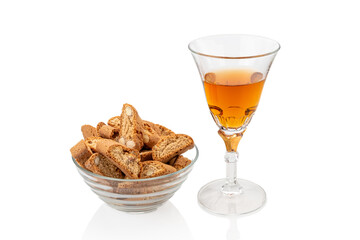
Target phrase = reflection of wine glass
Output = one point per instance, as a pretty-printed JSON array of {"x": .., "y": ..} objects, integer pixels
[
  {"x": 233, "y": 232},
  {"x": 108, "y": 223},
  {"x": 233, "y": 69}
]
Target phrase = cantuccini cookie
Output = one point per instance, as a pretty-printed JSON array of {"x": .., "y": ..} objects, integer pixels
[
  {"x": 129, "y": 148},
  {"x": 114, "y": 122},
  {"x": 181, "y": 162},
  {"x": 102, "y": 145},
  {"x": 127, "y": 159},
  {"x": 101, "y": 165},
  {"x": 106, "y": 131},
  {"x": 131, "y": 129},
  {"x": 81, "y": 152},
  {"x": 151, "y": 169},
  {"x": 88, "y": 131},
  {"x": 150, "y": 136},
  {"x": 172, "y": 161},
  {"x": 153, "y": 125},
  {"x": 91, "y": 142},
  {"x": 170, "y": 146},
  {"x": 163, "y": 131},
  {"x": 98, "y": 126}
]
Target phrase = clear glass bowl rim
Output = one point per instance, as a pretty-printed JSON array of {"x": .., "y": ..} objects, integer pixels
[
  {"x": 139, "y": 180},
  {"x": 239, "y": 57}
]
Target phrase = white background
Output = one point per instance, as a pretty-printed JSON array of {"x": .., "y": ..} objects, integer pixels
[{"x": 68, "y": 63}]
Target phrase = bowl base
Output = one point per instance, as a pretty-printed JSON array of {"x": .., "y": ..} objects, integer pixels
[{"x": 140, "y": 210}]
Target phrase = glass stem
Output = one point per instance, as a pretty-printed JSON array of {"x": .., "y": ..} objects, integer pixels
[
  {"x": 231, "y": 141},
  {"x": 231, "y": 159}
]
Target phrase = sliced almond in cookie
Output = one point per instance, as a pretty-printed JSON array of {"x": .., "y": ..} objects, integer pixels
[
  {"x": 151, "y": 169},
  {"x": 88, "y": 131},
  {"x": 101, "y": 165},
  {"x": 81, "y": 152},
  {"x": 131, "y": 129},
  {"x": 170, "y": 146}
]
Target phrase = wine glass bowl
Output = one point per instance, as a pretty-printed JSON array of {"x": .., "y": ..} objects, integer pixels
[{"x": 233, "y": 70}]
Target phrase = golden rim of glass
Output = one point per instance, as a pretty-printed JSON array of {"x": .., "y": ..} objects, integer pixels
[
  {"x": 239, "y": 57},
  {"x": 142, "y": 179}
]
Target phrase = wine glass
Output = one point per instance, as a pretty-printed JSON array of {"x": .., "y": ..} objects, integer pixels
[{"x": 233, "y": 70}]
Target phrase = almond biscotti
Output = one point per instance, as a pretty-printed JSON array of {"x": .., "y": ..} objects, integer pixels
[
  {"x": 102, "y": 145},
  {"x": 181, "y": 162},
  {"x": 170, "y": 146},
  {"x": 88, "y": 131},
  {"x": 101, "y": 165},
  {"x": 114, "y": 122},
  {"x": 81, "y": 152},
  {"x": 150, "y": 169},
  {"x": 131, "y": 128},
  {"x": 127, "y": 159},
  {"x": 106, "y": 131},
  {"x": 159, "y": 129},
  {"x": 172, "y": 161},
  {"x": 150, "y": 136},
  {"x": 98, "y": 126},
  {"x": 163, "y": 131},
  {"x": 91, "y": 142},
  {"x": 121, "y": 148}
]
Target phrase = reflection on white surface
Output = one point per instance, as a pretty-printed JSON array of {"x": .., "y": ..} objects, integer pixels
[
  {"x": 233, "y": 232},
  {"x": 164, "y": 223}
]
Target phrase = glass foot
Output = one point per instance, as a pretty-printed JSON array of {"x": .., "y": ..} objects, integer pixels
[{"x": 250, "y": 198}]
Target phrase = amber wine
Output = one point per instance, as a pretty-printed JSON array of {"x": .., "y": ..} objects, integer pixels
[{"x": 233, "y": 96}]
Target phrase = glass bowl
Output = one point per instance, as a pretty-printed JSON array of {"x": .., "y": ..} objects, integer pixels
[{"x": 138, "y": 195}]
